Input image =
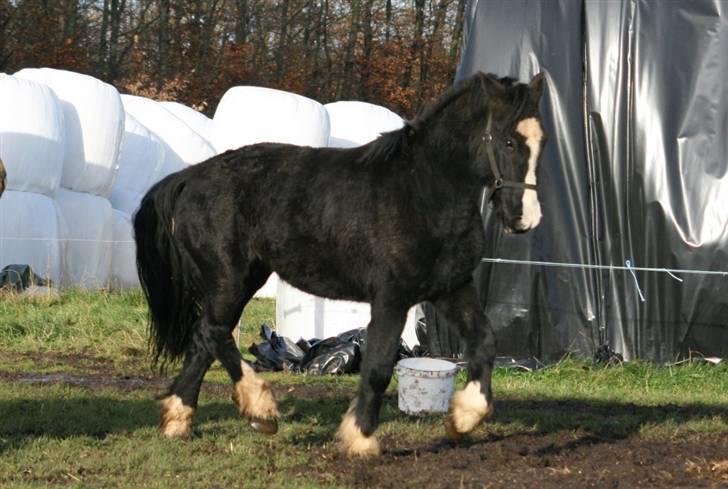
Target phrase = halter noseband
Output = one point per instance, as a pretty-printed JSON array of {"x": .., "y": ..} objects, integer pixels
[{"x": 498, "y": 182}]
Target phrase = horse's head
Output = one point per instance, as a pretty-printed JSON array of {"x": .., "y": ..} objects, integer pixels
[
  {"x": 509, "y": 143},
  {"x": 489, "y": 131}
]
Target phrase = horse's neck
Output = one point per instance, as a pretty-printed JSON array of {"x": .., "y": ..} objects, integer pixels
[{"x": 444, "y": 185}]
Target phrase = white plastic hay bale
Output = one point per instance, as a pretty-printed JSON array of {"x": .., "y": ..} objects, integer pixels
[
  {"x": 86, "y": 234},
  {"x": 356, "y": 123},
  {"x": 425, "y": 385},
  {"x": 31, "y": 135},
  {"x": 123, "y": 253},
  {"x": 302, "y": 315},
  {"x": 249, "y": 115},
  {"x": 190, "y": 147},
  {"x": 141, "y": 161},
  {"x": 29, "y": 232},
  {"x": 197, "y": 121},
  {"x": 93, "y": 120}
]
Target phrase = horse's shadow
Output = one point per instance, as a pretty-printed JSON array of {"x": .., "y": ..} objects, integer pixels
[
  {"x": 100, "y": 416},
  {"x": 596, "y": 422}
]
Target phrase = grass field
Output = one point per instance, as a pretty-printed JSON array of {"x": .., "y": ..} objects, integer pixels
[{"x": 78, "y": 409}]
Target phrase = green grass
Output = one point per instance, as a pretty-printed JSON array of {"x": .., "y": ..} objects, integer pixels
[
  {"x": 104, "y": 323},
  {"x": 101, "y": 436}
]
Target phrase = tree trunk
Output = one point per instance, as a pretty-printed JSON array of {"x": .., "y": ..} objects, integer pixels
[
  {"x": 457, "y": 36},
  {"x": 241, "y": 21},
  {"x": 434, "y": 39},
  {"x": 387, "y": 21},
  {"x": 282, "y": 35},
  {"x": 346, "y": 80},
  {"x": 102, "y": 55},
  {"x": 416, "y": 43},
  {"x": 163, "y": 53},
  {"x": 367, "y": 54},
  {"x": 114, "y": 58}
]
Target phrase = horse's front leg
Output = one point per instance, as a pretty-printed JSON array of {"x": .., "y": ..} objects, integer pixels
[
  {"x": 474, "y": 403},
  {"x": 356, "y": 432}
]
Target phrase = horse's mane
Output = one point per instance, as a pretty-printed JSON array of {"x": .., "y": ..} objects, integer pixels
[
  {"x": 386, "y": 146},
  {"x": 394, "y": 142}
]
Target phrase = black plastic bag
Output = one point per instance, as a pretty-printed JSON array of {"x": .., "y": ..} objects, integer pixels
[
  {"x": 339, "y": 354},
  {"x": 341, "y": 359},
  {"x": 276, "y": 352},
  {"x": 436, "y": 338},
  {"x": 20, "y": 277}
]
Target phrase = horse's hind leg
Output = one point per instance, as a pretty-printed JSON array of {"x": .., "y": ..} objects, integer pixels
[
  {"x": 252, "y": 394},
  {"x": 212, "y": 340},
  {"x": 178, "y": 408},
  {"x": 474, "y": 403},
  {"x": 356, "y": 432}
]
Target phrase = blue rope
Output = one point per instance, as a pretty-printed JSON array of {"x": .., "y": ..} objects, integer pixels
[
  {"x": 670, "y": 271},
  {"x": 628, "y": 267}
]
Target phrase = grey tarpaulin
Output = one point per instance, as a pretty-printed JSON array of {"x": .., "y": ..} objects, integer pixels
[{"x": 635, "y": 168}]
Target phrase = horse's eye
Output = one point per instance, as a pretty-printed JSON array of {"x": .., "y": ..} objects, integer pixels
[{"x": 509, "y": 144}]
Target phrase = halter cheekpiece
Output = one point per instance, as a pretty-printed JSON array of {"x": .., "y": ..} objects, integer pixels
[{"x": 498, "y": 181}]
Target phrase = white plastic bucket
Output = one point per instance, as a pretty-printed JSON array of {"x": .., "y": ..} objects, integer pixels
[{"x": 425, "y": 385}]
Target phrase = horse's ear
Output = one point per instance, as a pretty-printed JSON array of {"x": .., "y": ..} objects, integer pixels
[
  {"x": 535, "y": 86},
  {"x": 491, "y": 83}
]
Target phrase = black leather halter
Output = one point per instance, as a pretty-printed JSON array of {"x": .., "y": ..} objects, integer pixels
[{"x": 499, "y": 182}]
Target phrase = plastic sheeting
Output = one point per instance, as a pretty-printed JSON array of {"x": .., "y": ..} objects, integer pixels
[
  {"x": 183, "y": 146},
  {"x": 29, "y": 232},
  {"x": 357, "y": 123},
  {"x": 197, "y": 121},
  {"x": 249, "y": 115},
  {"x": 141, "y": 162},
  {"x": 93, "y": 119},
  {"x": 635, "y": 168},
  {"x": 31, "y": 135},
  {"x": 86, "y": 233},
  {"x": 302, "y": 315},
  {"x": 123, "y": 253}
]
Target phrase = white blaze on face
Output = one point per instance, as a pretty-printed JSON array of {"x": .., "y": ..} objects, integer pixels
[{"x": 531, "y": 130}]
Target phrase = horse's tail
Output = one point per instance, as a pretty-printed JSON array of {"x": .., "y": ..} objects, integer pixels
[{"x": 164, "y": 274}]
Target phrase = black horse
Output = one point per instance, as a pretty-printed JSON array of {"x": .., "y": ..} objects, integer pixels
[{"x": 392, "y": 223}]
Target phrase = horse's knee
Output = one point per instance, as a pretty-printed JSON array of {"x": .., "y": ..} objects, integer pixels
[
  {"x": 352, "y": 441},
  {"x": 175, "y": 417},
  {"x": 467, "y": 409},
  {"x": 255, "y": 400}
]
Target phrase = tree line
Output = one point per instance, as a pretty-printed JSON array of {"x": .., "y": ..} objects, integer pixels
[{"x": 394, "y": 53}]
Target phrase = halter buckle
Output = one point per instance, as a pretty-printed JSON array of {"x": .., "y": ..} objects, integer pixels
[{"x": 498, "y": 183}]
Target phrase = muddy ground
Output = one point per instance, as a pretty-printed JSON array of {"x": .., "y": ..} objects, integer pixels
[{"x": 559, "y": 459}]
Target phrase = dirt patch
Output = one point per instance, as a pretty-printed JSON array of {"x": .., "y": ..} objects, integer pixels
[
  {"x": 558, "y": 456},
  {"x": 89, "y": 371},
  {"x": 78, "y": 369},
  {"x": 554, "y": 460}
]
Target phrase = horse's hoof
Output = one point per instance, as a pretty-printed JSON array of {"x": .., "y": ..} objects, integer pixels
[
  {"x": 265, "y": 426},
  {"x": 175, "y": 418},
  {"x": 450, "y": 431},
  {"x": 352, "y": 442}
]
